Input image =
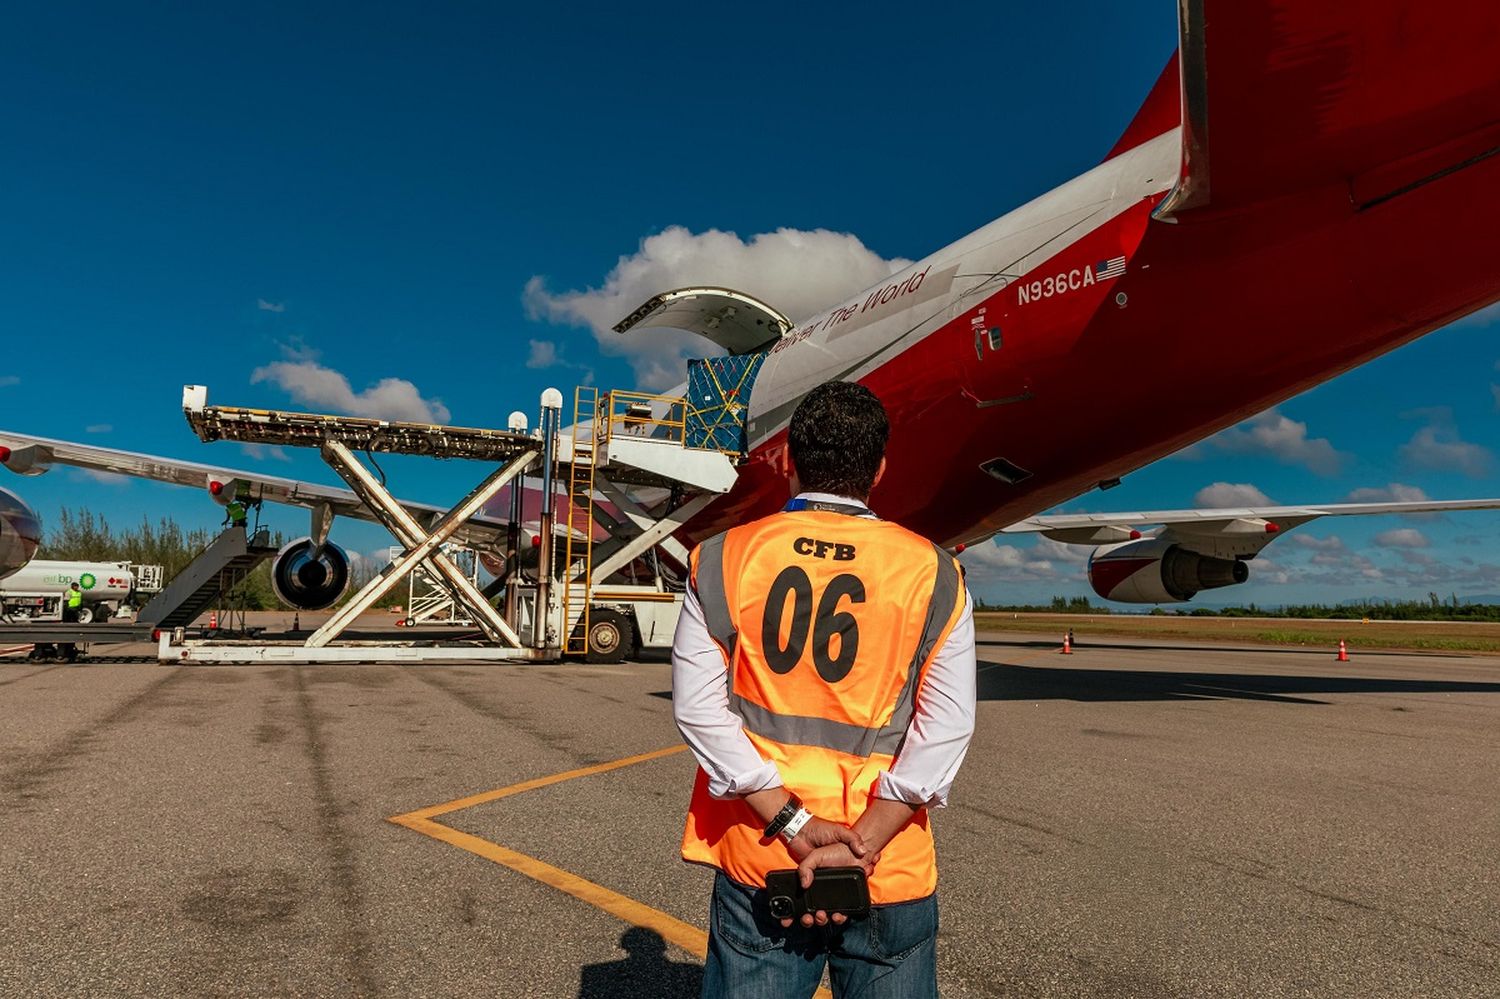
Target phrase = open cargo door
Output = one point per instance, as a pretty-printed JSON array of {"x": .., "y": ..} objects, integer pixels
[{"x": 739, "y": 323}]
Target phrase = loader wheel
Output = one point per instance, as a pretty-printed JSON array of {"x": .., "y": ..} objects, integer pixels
[{"x": 608, "y": 637}]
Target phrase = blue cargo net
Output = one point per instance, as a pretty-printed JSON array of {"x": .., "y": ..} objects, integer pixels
[{"x": 718, "y": 398}]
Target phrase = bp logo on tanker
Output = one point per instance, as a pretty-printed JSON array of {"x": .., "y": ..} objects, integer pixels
[{"x": 87, "y": 581}]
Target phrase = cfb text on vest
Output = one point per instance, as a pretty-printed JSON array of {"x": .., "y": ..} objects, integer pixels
[{"x": 821, "y": 549}]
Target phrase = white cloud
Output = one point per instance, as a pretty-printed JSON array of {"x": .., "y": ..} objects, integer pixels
[
  {"x": 993, "y": 562},
  {"x": 800, "y": 272},
  {"x": 1057, "y": 551},
  {"x": 6, "y": 381},
  {"x": 1438, "y": 447},
  {"x": 94, "y": 475},
  {"x": 265, "y": 306},
  {"x": 1329, "y": 551},
  {"x": 1275, "y": 435},
  {"x": 1402, "y": 537},
  {"x": 263, "y": 452},
  {"x": 1264, "y": 570},
  {"x": 98, "y": 428},
  {"x": 315, "y": 385},
  {"x": 1230, "y": 494},
  {"x": 543, "y": 354},
  {"x": 295, "y": 348},
  {"x": 1332, "y": 543},
  {"x": 1396, "y": 492}
]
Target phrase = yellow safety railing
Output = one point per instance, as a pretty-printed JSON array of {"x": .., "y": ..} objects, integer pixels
[
  {"x": 641, "y": 415},
  {"x": 645, "y": 416},
  {"x": 578, "y": 562}
]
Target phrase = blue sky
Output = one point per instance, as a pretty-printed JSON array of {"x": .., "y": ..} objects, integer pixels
[{"x": 432, "y": 212}]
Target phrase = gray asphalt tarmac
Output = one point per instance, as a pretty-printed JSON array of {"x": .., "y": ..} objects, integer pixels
[{"x": 1131, "y": 821}]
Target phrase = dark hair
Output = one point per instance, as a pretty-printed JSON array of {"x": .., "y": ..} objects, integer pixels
[{"x": 837, "y": 439}]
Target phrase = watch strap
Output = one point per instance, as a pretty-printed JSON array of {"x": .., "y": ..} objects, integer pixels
[{"x": 787, "y": 813}]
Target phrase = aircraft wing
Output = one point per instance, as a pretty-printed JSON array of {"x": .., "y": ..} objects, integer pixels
[
  {"x": 1224, "y": 533},
  {"x": 1378, "y": 96},
  {"x": 27, "y": 455}
]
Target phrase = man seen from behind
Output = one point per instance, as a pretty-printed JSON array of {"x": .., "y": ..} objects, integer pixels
[{"x": 823, "y": 675}]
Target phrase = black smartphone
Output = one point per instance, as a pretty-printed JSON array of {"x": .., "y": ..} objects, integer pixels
[{"x": 834, "y": 889}]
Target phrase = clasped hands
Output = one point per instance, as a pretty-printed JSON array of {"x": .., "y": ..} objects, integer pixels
[{"x": 822, "y": 843}]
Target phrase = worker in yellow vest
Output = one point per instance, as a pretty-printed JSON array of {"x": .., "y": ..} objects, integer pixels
[
  {"x": 823, "y": 674},
  {"x": 72, "y": 602}
]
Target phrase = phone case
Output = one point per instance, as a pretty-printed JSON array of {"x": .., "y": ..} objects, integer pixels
[{"x": 834, "y": 889}]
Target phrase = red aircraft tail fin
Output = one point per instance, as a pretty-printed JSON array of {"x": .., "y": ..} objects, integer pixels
[
  {"x": 1371, "y": 99},
  {"x": 1161, "y": 111}
]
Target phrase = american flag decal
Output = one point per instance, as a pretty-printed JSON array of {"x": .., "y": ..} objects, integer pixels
[{"x": 1111, "y": 268}]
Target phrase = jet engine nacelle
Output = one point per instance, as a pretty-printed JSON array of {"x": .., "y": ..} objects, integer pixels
[
  {"x": 20, "y": 533},
  {"x": 1158, "y": 571},
  {"x": 29, "y": 460},
  {"x": 307, "y": 578}
]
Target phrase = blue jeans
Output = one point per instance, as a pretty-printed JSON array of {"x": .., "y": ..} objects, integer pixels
[{"x": 892, "y": 953}]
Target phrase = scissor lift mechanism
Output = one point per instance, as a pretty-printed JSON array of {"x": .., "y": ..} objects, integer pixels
[
  {"x": 337, "y": 438},
  {"x": 691, "y": 477}
]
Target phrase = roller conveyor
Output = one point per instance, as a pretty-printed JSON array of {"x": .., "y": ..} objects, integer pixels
[{"x": 281, "y": 428}]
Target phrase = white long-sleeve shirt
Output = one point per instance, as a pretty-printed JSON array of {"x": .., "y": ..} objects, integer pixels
[{"x": 936, "y": 740}]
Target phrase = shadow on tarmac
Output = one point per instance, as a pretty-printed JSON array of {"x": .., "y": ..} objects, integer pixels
[
  {"x": 1296, "y": 650},
  {"x": 1006, "y": 682},
  {"x": 647, "y": 971}
]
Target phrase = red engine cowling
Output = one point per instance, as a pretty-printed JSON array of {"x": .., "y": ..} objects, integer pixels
[{"x": 1157, "y": 571}]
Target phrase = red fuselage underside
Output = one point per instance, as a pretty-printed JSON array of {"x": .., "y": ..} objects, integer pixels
[{"x": 1222, "y": 317}]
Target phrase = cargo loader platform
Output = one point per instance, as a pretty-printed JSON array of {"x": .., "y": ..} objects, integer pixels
[{"x": 630, "y": 478}]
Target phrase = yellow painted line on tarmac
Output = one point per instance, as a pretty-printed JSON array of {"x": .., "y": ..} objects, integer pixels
[
  {"x": 673, "y": 930},
  {"x": 433, "y": 811},
  {"x": 690, "y": 938}
]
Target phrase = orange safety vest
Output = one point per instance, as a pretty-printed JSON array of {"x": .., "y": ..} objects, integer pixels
[{"x": 828, "y": 623}]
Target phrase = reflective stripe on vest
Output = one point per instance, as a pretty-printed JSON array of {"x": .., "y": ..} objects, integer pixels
[
  {"x": 708, "y": 574},
  {"x": 837, "y": 580},
  {"x": 842, "y": 737}
]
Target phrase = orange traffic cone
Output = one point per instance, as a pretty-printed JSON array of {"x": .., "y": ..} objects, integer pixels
[
  {"x": 1343, "y": 651},
  {"x": 1067, "y": 649},
  {"x": 213, "y": 619}
]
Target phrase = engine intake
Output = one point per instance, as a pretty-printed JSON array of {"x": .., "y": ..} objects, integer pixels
[
  {"x": 1152, "y": 571},
  {"x": 307, "y": 581}
]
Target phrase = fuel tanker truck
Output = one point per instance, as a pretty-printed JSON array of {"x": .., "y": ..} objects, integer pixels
[{"x": 35, "y": 591}]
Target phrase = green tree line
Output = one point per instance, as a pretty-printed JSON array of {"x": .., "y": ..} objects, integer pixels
[
  {"x": 86, "y": 536},
  {"x": 1434, "y": 608}
]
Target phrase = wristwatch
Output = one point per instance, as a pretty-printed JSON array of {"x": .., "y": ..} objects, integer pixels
[{"x": 788, "y": 812}]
